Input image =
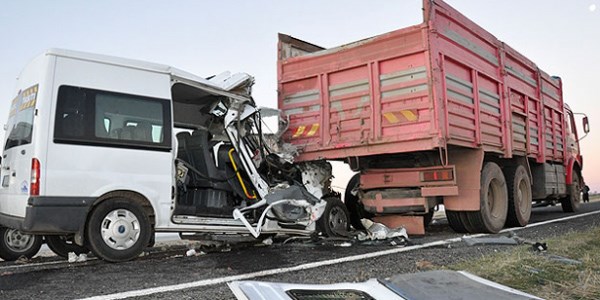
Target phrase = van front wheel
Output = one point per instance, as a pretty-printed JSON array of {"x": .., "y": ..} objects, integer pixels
[
  {"x": 63, "y": 245},
  {"x": 118, "y": 230}
]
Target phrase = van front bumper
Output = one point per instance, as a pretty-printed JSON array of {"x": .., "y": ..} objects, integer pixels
[{"x": 51, "y": 215}]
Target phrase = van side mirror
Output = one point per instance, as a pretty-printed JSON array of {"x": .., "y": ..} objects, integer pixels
[
  {"x": 586, "y": 125},
  {"x": 5, "y": 127}
]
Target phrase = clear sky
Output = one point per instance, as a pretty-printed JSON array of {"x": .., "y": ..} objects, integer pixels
[{"x": 207, "y": 37}]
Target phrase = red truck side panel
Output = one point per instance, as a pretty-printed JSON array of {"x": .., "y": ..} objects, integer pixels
[
  {"x": 444, "y": 82},
  {"x": 362, "y": 99}
]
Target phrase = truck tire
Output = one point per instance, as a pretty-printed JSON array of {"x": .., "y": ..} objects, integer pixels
[
  {"x": 355, "y": 208},
  {"x": 455, "y": 221},
  {"x": 14, "y": 244},
  {"x": 62, "y": 245},
  {"x": 573, "y": 200},
  {"x": 492, "y": 214},
  {"x": 428, "y": 217},
  {"x": 334, "y": 221},
  {"x": 519, "y": 196},
  {"x": 118, "y": 229}
]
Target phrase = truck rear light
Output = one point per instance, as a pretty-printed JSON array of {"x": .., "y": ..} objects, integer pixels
[
  {"x": 437, "y": 175},
  {"x": 34, "y": 189}
]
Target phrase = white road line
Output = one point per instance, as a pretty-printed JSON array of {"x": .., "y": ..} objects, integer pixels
[
  {"x": 213, "y": 281},
  {"x": 48, "y": 263},
  {"x": 33, "y": 265}
]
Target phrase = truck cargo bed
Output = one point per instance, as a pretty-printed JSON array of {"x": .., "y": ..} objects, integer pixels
[{"x": 444, "y": 82}]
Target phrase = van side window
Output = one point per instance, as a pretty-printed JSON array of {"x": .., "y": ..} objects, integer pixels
[{"x": 87, "y": 116}]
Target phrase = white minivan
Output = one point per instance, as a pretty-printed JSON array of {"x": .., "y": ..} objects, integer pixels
[{"x": 102, "y": 152}]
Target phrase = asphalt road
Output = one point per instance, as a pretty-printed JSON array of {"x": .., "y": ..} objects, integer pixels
[{"x": 54, "y": 278}]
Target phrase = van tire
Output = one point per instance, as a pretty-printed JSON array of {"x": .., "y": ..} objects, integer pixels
[
  {"x": 62, "y": 245},
  {"x": 334, "y": 221},
  {"x": 118, "y": 229},
  {"x": 519, "y": 196},
  {"x": 14, "y": 244}
]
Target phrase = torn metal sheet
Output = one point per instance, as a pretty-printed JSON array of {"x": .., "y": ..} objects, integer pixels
[
  {"x": 254, "y": 290},
  {"x": 417, "y": 286},
  {"x": 564, "y": 260},
  {"x": 501, "y": 240}
]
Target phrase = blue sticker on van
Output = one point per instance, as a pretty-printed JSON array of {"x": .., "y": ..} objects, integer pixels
[{"x": 24, "y": 187}]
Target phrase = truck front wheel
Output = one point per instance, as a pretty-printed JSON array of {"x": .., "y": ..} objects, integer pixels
[
  {"x": 573, "y": 200},
  {"x": 14, "y": 244},
  {"x": 118, "y": 230},
  {"x": 355, "y": 207}
]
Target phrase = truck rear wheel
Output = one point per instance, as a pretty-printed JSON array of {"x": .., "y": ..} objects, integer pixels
[
  {"x": 14, "y": 244},
  {"x": 573, "y": 200},
  {"x": 492, "y": 214},
  {"x": 355, "y": 208},
  {"x": 455, "y": 221},
  {"x": 62, "y": 245},
  {"x": 519, "y": 196},
  {"x": 118, "y": 230}
]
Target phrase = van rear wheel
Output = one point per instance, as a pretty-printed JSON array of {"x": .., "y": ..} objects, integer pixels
[
  {"x": 118, "y": 230},
  {"x": 14, "y": 244}
]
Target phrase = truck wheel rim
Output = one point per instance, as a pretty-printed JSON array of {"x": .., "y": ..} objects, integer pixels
[
  {"x": 338, "y": 221},
  {"x": 524, "y": 196},
  {"x": 494, "y": 194},
  {"x": 17, "y": 241},
  {"x": 120, "y": 229}
]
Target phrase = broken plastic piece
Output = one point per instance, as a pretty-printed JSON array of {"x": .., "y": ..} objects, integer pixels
[
  {"x": 378, "y": 231},
  {"x": 191, "y": 252},
  {"x": 540, "y": 247},
  {"x": 72, "y": 257}
]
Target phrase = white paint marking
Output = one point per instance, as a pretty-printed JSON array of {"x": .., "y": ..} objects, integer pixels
[
  {"x": 35, "y": 265},
  {"x": 213, "y": 281}
]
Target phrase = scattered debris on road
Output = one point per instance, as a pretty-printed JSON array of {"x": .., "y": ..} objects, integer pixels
[
  {"x": 564, "y": 260},
  {"x": 73, "y": 257},
  {"x": 378, "y": 231}
]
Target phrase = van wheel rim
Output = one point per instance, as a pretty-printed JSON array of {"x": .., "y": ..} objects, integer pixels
[
  {"x": 120, "y": 229},
  {"x": 17, "y": 241},
  {"x": 338, "y": 221}
]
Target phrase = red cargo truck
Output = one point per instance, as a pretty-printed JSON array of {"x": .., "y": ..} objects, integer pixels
[{"x": 437, "y": 113}]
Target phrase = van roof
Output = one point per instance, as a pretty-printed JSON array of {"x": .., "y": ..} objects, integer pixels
[{"x": 131, "y": 63}]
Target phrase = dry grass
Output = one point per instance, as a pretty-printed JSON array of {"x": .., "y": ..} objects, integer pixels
[{"x": 539, "y": 275}]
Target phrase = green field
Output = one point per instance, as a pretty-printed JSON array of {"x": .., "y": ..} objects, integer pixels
[{"x": 547, "y": 274}]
